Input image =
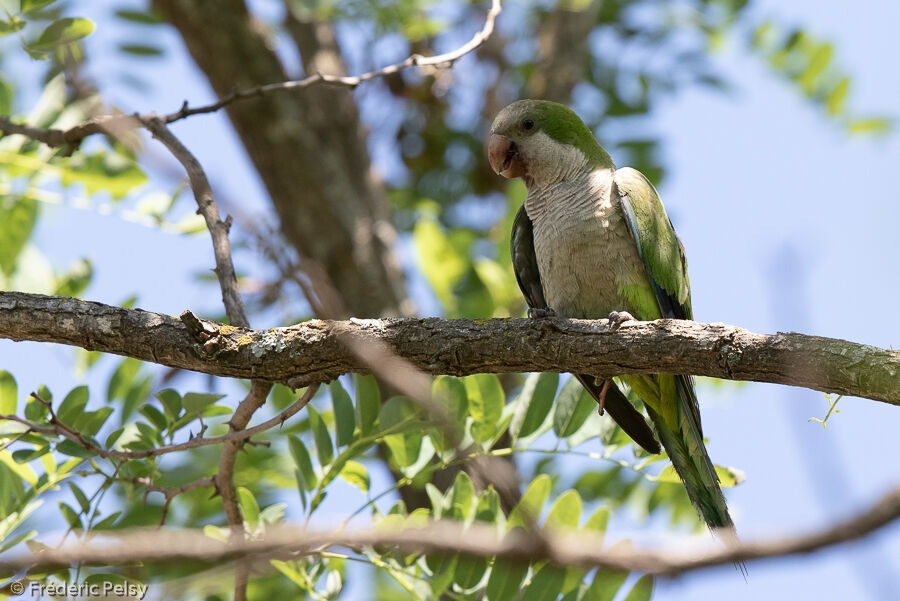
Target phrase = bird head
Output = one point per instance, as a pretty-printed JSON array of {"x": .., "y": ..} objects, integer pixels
[{"x": 542, "y": 142}]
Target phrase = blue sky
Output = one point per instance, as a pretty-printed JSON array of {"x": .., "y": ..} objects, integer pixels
[{"x": 789, "y": 225}]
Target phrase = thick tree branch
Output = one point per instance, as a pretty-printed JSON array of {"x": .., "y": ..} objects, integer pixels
[
  {"x": 312, "y": 352},
  {"x": 560, "y": 548}
]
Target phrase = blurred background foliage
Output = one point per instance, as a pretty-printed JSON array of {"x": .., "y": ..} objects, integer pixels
[{"x": 614, "y": 61}]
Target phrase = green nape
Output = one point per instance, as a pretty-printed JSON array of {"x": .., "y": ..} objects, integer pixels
[{"x": 563, "y": 125}]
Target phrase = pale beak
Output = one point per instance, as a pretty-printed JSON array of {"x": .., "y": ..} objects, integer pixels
[{"x": 503, "y": 156}]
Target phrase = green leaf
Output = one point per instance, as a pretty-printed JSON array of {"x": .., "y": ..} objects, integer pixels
[
  {"x": 469, "y": 571},
  {"x": 148, "y": 433},
  {"x": 355, "y": 473},
  {"x": 35, "y": 410},
  {"x": 344, "y": 414},
  {"x": 462, "y": 496},
  {"x": 71, "y": 516},
  {"x": 546, "y": 584},
  {"x": 107, "y": 522},
  {"x": 195, "y": 402},
  {"x": 26, "y": 455},
  {"x": 216, "y": 410},
  {"x": 728, "y": 476},
  {"x": 598, "y": 522},
  {"x": 404, "y": 445},
  {"x": 442, "y": 569},
  {"x": 572, "y": 408},
  {"x": 12, "y": 26},
  {"x": 534, "y": 404},
  {"x": 273, "y": 513},
  {"x": 9, "y": 543},
  {"x": 171, "y": 401},
  {"x": 486, "y": 400},
  {"x": 324, "y": 448},
  {"x": 122, "y": 378},
  {"x": 837, "y": 97},
  {"x": 155, "y": 416},
  {"x": 113, "y": 437},
  {"x": 605, "y": 585},
  {"x": 488, "y": 507},
  {"x": 67, "y": 447},
  {"x": 141, "y": 49},
  {"x": 36, "y": 54},
  {"x": 63, "y": 31},
  {"x": 30, "y": 5},
  {"x": 17, "y": 219},
  {"x": 21, "y": 472},
  {"x": 304, "y": 463},
  {"x": 438, "y": 504},
  {"x": 249, "y": 508},
  {"x": 526, "y": 513},
  {"x": 368, "y": 403},
  {"x": 75, "y": 280},
  {"x": 7, "y": 93},
  {"x": 565, "y": 513},
  {"x": 89, "y": 423},
  {"x": 440, "y": 261},
  {"x": 450, "y": 393},
  {"x": 103, "y": 171},
  {"x": 873, "y": 126},
  {"x": 9, "y": 393},
  {"x": 80, "y": 497},
  {"x": 505, "y": 580},
  {"x": 642, "y": 590},
  {"x": 216, "y": 533},
  {"x": 73, "y": 405},
  {"x": 144, "y": 18}
]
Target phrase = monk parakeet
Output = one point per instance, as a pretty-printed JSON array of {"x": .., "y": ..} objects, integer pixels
[{"x": 593, "y": 241}]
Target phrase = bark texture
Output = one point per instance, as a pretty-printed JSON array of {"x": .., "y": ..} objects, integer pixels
[
  {"x": 309, "y": 149},
  {"x": 316, "y": 351}
]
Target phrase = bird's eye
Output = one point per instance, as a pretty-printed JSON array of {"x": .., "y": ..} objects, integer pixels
[{"x": 528, "y": 124}]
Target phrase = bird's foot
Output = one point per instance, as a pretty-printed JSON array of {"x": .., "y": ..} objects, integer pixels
[
  {"x": 617, "y": 318},
  {"x": 541, "y": 313}
]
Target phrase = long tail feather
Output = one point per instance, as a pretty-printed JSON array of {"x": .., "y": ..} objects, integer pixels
[{"x": 683, "y": 442}]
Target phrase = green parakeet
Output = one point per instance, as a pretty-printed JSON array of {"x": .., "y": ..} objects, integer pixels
[{"x": 593, "y": 241}]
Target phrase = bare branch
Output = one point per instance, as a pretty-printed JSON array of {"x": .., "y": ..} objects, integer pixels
[
  {"x": 110, "y": 124},
  {"x": 169, "y": 493},
  {"x": 439, "y": 61},
  {"x": 559, "y": 547},
  {"x": 218, "y": 229},
  {"x": 311, "y": 352},
  {"x": 234, "y": 308}
]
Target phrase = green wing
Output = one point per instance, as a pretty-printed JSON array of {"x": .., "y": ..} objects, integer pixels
[
  {"x": 663, "y": 256},
  {"x": 659, "y": 247},
  {"x": 673, "y": 403}
]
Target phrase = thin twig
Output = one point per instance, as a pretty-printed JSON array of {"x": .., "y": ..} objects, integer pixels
[
  {"x": 170, "y": 493},
  {"x": 218, "y": 229},
  {"x": 235, "y": 436},
  {"x": 115, "y": 125}
]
